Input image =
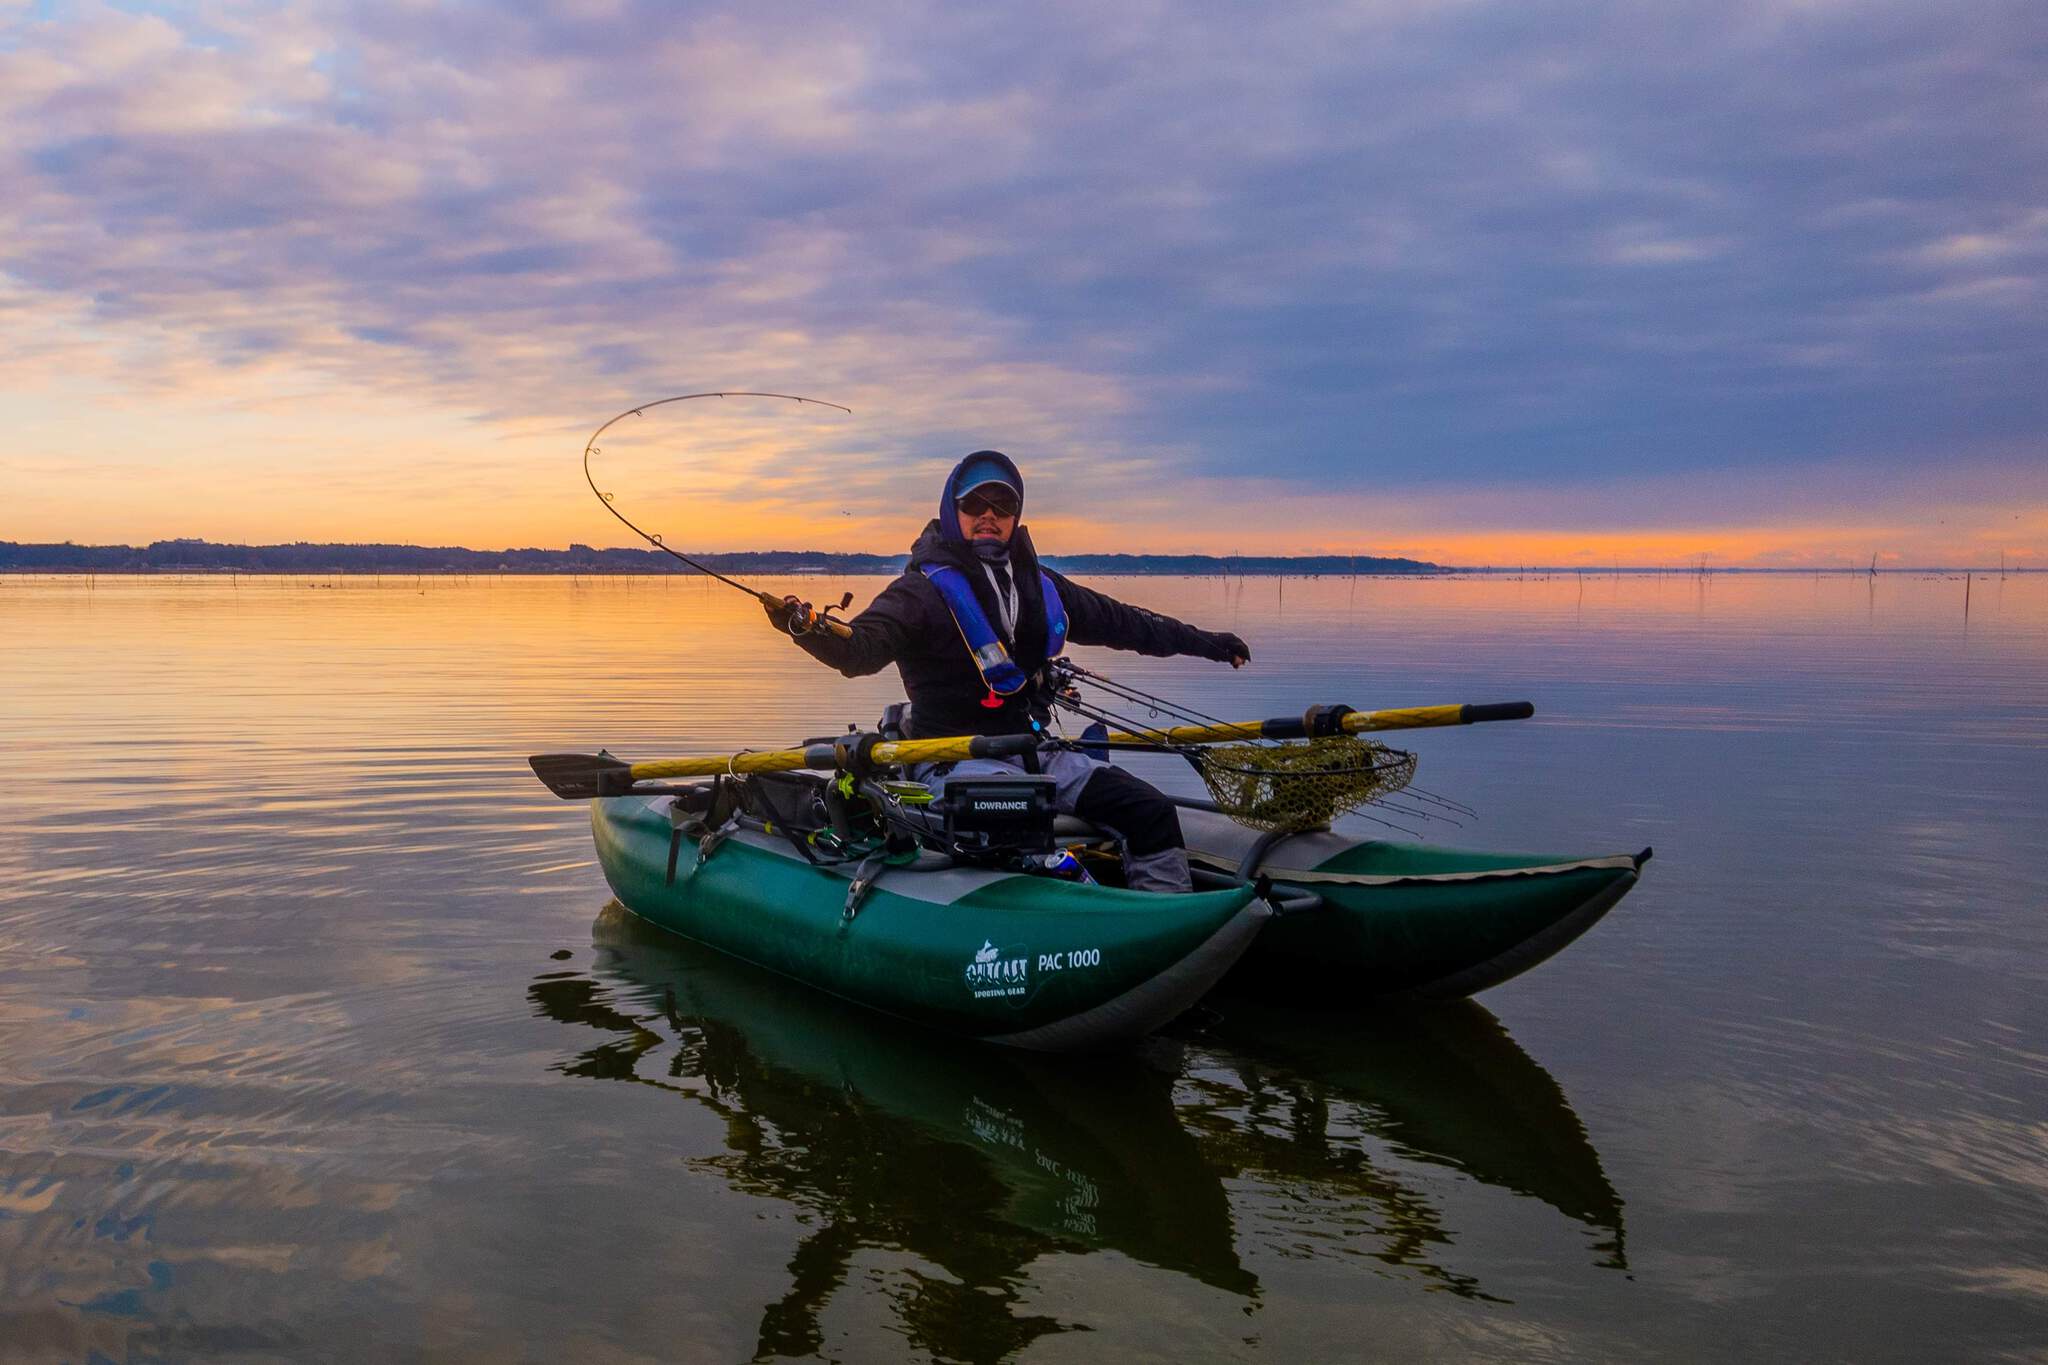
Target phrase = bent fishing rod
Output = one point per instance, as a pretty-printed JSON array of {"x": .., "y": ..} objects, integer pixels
[{"x": 802, "y": 619}]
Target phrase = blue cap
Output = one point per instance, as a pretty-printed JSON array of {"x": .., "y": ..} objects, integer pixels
[{"x": 986, "y": 466}]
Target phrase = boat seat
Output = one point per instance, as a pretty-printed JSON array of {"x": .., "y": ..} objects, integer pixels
[{"x": 1074, "y": 827}]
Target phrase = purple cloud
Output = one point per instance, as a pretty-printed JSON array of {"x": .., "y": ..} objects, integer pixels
[{"x": 1431, "y": 244}]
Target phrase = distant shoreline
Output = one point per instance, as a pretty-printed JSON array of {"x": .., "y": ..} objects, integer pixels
[
  {"x": 1442, "y": 571},
  {"x": 206, "y": 557},
  {"x": 338, "y": 559}
]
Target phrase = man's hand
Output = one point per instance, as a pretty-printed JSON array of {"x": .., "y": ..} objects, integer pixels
[
  {"x": 1239, "y": 654},
  {"x": 783, "y": 614}
]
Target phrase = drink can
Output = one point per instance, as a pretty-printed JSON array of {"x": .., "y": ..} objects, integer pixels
[{"x": 1063, "y": 864}]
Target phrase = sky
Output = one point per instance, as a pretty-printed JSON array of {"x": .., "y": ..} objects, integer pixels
[{"x": 1754, "y": 281}]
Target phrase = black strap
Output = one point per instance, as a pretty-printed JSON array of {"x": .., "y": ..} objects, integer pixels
[{"x": 864, "y": 878}]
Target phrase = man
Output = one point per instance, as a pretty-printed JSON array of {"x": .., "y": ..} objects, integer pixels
[{"x": 970, "y": 626}]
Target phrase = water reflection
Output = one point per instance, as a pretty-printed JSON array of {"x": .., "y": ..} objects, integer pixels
[
  {"x": 1307, "y": 1095},
  {"x": 979, "y": 1160},
  {"x": 975, "y": 1159},
  {"x": 275, "y": 880}
]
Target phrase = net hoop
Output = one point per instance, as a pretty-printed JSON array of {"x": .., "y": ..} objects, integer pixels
[{"x": 1303, "y": 785}]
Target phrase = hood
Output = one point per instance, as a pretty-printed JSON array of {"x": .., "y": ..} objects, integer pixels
[
  {"x": 932, "y": 548},
  {"x": 949, "y": 510}
]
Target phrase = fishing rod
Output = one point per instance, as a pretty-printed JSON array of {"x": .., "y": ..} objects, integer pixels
[
  {"x": 1067, "y": 697},
  {"x": 1379, "y": 770},
  {"x": 803, "y": 619}
]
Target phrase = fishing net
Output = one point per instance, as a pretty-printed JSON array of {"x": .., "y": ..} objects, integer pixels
[{"x": 1303, "y": 785}]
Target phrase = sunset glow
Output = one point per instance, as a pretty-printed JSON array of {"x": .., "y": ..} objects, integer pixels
[{"x": 1755, "y": 289}]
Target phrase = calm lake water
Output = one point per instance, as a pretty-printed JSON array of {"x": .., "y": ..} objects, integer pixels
[{"x": 318, "y": 1040}]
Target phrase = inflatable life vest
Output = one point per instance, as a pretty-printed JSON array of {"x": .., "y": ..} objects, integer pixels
[{"x": 998, "y": 669}]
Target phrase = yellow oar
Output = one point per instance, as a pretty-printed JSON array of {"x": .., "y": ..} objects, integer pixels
[
  {"x": 1331, "y": 720},
  {"x": 579, "y": 777}
]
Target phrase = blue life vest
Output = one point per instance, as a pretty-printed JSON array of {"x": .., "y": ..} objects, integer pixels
[{"x": 998, "y": 669}]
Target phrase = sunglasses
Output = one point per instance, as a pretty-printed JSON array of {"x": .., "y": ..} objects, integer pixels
[{"x": 1001, "y": 501}]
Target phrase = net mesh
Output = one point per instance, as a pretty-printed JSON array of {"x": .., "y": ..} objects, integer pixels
[{"x": 1304, "y": 785}]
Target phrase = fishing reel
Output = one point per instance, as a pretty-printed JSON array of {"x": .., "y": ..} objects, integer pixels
[
  {"x": 1060, "y": 682},
  {"x": 804, "y": 619}
]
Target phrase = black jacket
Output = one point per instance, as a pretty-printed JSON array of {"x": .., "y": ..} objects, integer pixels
[{"x": 908, "y": 625}]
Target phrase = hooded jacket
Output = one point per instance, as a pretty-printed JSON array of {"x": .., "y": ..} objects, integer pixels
[{"x": 908, "y": 625}]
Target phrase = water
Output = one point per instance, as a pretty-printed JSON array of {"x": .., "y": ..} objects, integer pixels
[{"x": 317, "y": 1039}]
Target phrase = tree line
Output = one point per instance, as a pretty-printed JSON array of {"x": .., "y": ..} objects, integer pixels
[{"x": 202, "y": 556}]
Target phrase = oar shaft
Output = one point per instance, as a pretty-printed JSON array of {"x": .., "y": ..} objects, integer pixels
[
  {"x": 1351, "y": 723},
  {"x": 766, "y": 761},
  {"x": 886, "y": 754},
  {"x": 1423, "y": 717},
  {"x": 955, "y": 748}
]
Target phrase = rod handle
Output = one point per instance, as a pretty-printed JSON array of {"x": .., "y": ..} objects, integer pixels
[{"x": 811, "y": 619}]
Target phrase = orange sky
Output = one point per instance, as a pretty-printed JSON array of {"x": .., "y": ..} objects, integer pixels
[{"x": 326, "y": 464}]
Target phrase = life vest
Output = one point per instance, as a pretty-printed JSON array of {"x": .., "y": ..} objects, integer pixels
[{"x": 998, "y": 669}]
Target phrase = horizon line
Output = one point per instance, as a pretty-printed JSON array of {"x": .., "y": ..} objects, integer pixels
[{"x": 1694, "y": 566}]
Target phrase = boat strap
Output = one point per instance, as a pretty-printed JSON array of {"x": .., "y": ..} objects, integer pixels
[
  {"x": 864, "y": 878},
  {"x": 696, "y": 825},
  {"x": 708, "y": 845}
]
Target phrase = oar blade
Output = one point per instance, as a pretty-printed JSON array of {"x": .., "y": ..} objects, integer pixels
[{"x": 581, "y": 777}]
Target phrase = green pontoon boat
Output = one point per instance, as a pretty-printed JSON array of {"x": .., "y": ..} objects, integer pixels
[
  {"x": 982, "y": 913},
  {"x": 1033, "y": 961},
  {"x": 1374, "y": 920}
]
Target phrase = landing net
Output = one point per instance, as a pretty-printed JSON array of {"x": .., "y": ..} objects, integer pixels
[
  {"x": 1301, "y": 785},
  {"x": 1286, "y": 785}
]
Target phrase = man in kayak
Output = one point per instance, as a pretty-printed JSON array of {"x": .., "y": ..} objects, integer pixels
[{"x": 970, "y": 626}]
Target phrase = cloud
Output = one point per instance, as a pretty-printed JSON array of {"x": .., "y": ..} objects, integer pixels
[
  {"x": 1967, "y": 510},
  {"x": 2028, "y": 236},
  {"x": 1412, "y": 245}
]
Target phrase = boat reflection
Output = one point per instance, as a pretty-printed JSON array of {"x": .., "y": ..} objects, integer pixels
[
  {"x": 979, "y": 1160},
  {"x": 1307, "y": 1096},
  {"x": 976, "y": 1159}
]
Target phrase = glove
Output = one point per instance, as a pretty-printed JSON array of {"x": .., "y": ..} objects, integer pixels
[
  {"x": 784, "y": 613},
  {"x": 1231, "y": 650}
]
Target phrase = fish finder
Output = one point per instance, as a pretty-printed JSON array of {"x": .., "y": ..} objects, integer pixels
[{"x": 995, "y": 817}]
